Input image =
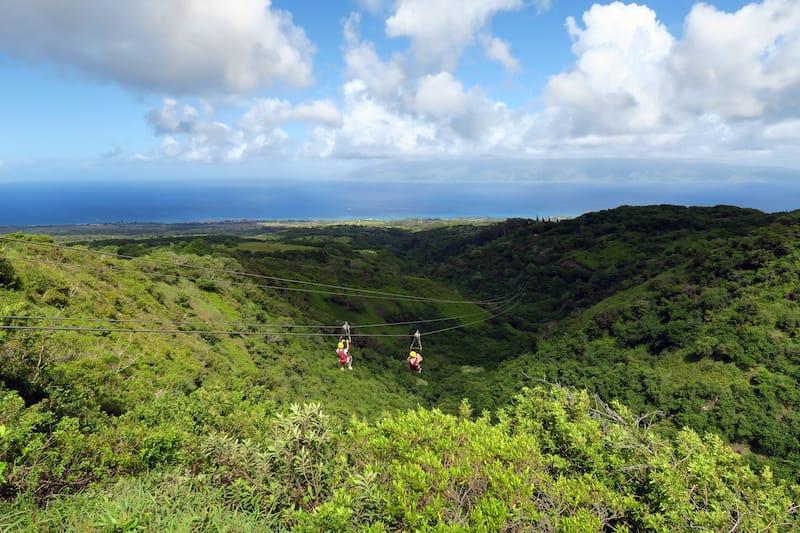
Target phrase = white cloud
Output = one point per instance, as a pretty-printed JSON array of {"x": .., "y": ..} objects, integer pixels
[
  {"x": 619, "y": 81},
  {"x": 634, "y": 90},
  {"x": 500, "y": 51},
  {"x": 372, "y": 129},
  {"x": 742, "y": 64},
  {"x": 465, "y": 120},
  {"x": 317, "y": 111},
  {"x": 175, "y": 46},
  {"x": 257, "y": 133},
  {"x": 207, "y": 142},
  {"x": 138, "y": 157},
  {"x": 167, "y": 119},
  {"x": 787, "y": 131},
  {"x": 441, "y": 30},
  {"x": 170, "y": 147},
  {"x": 730, "y": 88},
  {"x": 267, "y": 113},
  {"x": 440, "y": 95},
  {"x": 390, "y": 108},
  {"x": 442, "y": 119},
  {"x": 381, "y": 78}
]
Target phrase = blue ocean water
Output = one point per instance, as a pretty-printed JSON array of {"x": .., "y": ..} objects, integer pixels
[{"x": 38, "y": 203}]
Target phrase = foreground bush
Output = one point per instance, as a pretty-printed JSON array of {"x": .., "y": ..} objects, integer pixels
[{"x": 553, "y": 460}]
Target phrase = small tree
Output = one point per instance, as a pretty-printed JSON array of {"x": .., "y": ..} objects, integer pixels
[{"x": 8, "y": 278}]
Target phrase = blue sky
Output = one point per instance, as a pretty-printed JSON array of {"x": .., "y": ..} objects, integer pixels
[{"x": 463, "y": 90}]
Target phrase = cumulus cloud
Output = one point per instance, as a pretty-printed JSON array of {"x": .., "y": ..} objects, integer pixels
[
  {"x": 170, "y": 147},
  {"x": 392, "y": 106},
  {"x": 257, "y": 133},
  {"x": 465, "y": 119},
  {"x": 372, "y": 129},
  {"x": 634, "y": 90},
  {"x": 619, "y": 82},
  {"x": 267, "y": 113},
  {"x": 441, "y": 119},
  {"x": 730, "y": 85},
  {"x": 208, "y": 142},
  {"x": 175, "y": 46},
  {"x": 168, "y": 120},
  {"x": 440, "y": 31},
  {"x": 500, "y": 51},
  {"x": 440, "y": 94},
  {"x": 362, "y": 62},
  {"x": 784, "y": 131},
  {"x": 741, "y": 64}
]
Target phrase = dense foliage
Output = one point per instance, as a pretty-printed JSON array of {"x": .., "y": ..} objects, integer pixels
[
  {"x": 554, "y": 460},
  {"x": 215, "y": 420}
]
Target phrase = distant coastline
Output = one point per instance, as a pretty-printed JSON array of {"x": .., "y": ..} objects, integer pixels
[
  {"x": 57, "y": 204},
  {"x": 243, "y": 227},
  {"x": 24, "y": 204}
]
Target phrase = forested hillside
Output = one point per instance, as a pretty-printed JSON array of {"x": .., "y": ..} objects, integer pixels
[
  {"x": 690, "y": 312},
  {"x": 630, "y": 369}
]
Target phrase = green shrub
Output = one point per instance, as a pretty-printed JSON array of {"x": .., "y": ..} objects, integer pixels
[{"x": 8, "y": 277}]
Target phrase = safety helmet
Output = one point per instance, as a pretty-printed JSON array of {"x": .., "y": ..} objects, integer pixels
[
  {"x": 340, "y": 345},
  {"x": 412, "y": 354}
]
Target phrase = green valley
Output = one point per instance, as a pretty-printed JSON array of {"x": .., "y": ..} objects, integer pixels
[{"x": 627, "y": 370}]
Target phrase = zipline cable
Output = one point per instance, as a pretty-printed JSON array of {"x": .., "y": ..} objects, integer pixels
[
  {"x": 232, "y": 324},
  {"x": 473, "y": 322},
  {"x": 242, "y": 332},
  {"x": 362, "y": 293},
  {"x": 197, "y": 332},
  {"x": 402, "y": 297},
  {"x": 350, "y": 291}
]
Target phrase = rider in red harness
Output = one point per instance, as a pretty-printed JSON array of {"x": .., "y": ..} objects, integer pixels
[
  {"x": 343, "y": 351},
  {"x": 415, "y": 361}
]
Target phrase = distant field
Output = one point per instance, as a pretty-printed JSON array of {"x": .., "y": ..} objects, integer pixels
[
  {"x": 251, "y": 228},
  {"x": 268, "y": 246}
]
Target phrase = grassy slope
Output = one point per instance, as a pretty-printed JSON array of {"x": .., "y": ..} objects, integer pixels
[{"x": 120, "y": 369}]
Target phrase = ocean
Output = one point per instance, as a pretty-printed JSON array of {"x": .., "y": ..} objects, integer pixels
[{"x": 57, "y": 203}]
